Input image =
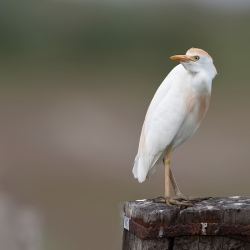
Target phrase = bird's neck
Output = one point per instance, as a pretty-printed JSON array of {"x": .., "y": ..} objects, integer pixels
[{"x": 201, "y": 83}]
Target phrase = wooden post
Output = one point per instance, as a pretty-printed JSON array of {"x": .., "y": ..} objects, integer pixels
[{"x": 216, "y": 224}]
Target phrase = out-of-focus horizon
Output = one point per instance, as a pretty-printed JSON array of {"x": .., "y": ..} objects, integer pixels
[{"x": 76, "y": 80}]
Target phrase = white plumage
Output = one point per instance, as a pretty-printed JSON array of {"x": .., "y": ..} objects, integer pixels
[{"x": 175, "y": 111}]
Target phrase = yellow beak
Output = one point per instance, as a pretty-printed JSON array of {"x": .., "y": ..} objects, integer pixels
[{"x": 181, "y": 58}]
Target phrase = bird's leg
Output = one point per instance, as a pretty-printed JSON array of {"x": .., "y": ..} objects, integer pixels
[
  {"x": 166, "y": 162},
  {"x": 169, "y": 177},
  {"x": 178, "y": 199},
  {"x": 179, "y": 196},
  {"x": 167, "y": 174},
  {"x": 177, "y": 191}
]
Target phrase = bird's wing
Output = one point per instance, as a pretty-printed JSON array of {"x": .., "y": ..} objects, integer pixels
[
  {"x": 165, "y": 86},
  {"x": 164, "y": 117}
]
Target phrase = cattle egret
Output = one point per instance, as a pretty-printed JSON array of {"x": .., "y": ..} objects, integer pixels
[{"x": 174, "y": 114}]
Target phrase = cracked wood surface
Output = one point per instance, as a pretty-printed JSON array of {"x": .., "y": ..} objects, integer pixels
[{"x": 234, "y": 212}]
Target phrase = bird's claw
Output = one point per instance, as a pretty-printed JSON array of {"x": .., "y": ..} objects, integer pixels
[
  {"x": 191, "y": 198},
  {"x": 172, "y": 201},
  {"x": 180, "y": 200},
  {"x": 160, "y": 199}
]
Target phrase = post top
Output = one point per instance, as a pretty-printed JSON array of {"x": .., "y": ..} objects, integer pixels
[{"x": 216, "y": 216}]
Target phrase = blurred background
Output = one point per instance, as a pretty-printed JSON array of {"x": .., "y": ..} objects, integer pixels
[{"x": 76, "y": 80}]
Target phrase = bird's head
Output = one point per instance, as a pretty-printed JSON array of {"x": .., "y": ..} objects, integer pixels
[{"x": 197, "y": 61}]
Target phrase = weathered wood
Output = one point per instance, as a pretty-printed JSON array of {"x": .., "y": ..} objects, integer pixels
[
  {"x": 132, "y": 242},
  {"x": 217, "y": 223}
]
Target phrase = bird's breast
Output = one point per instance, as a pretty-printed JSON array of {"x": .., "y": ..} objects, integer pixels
[{"x": 196, "y": 106}]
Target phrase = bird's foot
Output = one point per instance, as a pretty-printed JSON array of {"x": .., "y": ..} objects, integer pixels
[
  {"x": 191, "y": 198},
  {"x": 173, "y": 201},
  {"x": 180, "y": 200}
]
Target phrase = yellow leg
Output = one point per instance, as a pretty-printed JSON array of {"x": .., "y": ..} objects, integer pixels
[
  {"x": 179, "y": 198},
  {"x": 167, "y": 174},
  {"x": 185, "y": 200},
  {"x": 169, "y": 177},
  {"x": 177, "y": 191}
]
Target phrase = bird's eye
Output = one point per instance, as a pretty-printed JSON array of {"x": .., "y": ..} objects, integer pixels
[{"x": 196, "y": 58}]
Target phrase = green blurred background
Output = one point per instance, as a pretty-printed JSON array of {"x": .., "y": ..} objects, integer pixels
[{"x": 76, "y": 80}]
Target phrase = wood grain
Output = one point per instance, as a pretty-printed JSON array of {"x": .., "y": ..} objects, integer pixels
[{"x": 227, "y": 218}]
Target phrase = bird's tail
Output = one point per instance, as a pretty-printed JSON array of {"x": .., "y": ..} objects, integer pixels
[
  {"x": 135, "y": 167},
  {"x": 145, "y": 165},
  {"x": 141, "y": 167}
]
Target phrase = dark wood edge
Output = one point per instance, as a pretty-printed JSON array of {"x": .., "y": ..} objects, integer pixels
[{"x": 237, "y": 231}]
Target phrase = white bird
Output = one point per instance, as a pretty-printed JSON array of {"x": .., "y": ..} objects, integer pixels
[{"x": 174, "y": 115}]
